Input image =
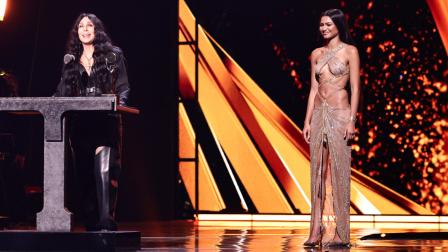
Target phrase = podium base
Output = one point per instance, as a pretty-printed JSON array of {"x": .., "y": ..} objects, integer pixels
[{"x": 57, "y": 241}]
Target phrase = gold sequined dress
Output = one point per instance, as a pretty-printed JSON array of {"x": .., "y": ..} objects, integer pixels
[{"x": 330, "y": 153}]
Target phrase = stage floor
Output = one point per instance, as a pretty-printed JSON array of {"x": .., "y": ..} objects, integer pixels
[{"x": 185, "y": 235}]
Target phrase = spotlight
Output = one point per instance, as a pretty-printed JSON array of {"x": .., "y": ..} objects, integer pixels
[{"x": 2, "y": 9}]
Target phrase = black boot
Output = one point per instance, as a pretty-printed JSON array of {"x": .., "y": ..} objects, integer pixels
[{"x": 106, "y": 196}]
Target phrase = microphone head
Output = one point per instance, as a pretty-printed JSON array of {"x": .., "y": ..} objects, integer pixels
[{"x": 68, "y": 58}]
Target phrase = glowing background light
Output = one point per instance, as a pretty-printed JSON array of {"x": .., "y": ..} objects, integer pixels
[
  {"x": 252, "y": 119},
  {"x": 403, "y": 123},
  {"x": 2, "y": 9},
  {"x": 405, "y": 118}
]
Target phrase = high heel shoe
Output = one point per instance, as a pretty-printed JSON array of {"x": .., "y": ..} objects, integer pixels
[
  {"x": 311, "y": 244},
  {"x": 315, "y": 243}
]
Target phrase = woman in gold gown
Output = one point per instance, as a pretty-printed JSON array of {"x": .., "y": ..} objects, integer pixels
[{"x": 329, "y": 126}]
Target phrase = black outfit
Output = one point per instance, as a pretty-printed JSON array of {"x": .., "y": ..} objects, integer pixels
[
  {"x": 85, "y": 85},
  {"x": 95, "y": 137},
  {"x": 12, "y": 143}
]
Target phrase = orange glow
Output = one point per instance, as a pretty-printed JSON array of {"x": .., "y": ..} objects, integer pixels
[
  {"x": 256, "y": 135},
  {"x": 219, "y": 98},
  {"x": 356, "y": 221},
  {"x": 439, "y": 9},
  {"x": 368, "y": 36},
  {"x": 2, "y": 9},
  {"x": 413, "y": 108},
  {"x": 210, "y": 198}
]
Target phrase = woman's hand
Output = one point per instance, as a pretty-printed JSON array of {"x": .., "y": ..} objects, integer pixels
[
  {"x": 306, "y": 132},
  {"x": 349, "y": 131}
]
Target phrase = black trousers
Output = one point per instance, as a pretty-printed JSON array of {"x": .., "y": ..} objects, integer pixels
[{"x": 87, "y": 131}]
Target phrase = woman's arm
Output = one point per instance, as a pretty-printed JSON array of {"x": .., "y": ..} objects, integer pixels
[
  {"x": 312, "y": 95},
  {"x": 353, "y": 58},
  {"x": 122, "y": 87}
]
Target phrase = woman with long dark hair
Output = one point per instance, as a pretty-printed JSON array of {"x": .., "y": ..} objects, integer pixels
[
  {"x": 329, "y": 128},
  {"x": 94, "y": 67}
]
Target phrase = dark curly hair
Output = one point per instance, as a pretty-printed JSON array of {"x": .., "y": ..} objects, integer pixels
[
  {"x": 102, "y": 46},
  {"x": 8, "y": 84}
]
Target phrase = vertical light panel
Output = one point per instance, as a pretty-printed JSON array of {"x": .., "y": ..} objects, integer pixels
[
  {"x": 209, "y": 196},
  {"x": 439, "y": 10},
  {"x": 215, "y": 84},
  {"x": 293, "y": 160},
  {"x": 3, "y": 4}
]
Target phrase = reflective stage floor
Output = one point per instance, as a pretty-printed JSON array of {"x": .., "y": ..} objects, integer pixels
[{"x": 186, "y": 236}]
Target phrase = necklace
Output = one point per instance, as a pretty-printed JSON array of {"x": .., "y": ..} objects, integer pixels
[
  {"x": 330, "y": 53},
  {"x": 88, "y": 62},
  {"x": 337, "y": 48},
  {"x": 87, "y": 58}
]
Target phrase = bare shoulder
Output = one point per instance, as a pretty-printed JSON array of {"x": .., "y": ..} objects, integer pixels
[
  {"x": 351, "y": 50},
  {"x": 315, "y": 53}
]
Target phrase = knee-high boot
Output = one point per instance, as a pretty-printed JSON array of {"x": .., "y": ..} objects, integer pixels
[
  {"x": 114, "y": 174},
  {"x": 106, "y": 196}
]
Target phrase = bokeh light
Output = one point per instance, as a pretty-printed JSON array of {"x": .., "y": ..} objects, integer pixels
[{"x": 403, "y": 122}]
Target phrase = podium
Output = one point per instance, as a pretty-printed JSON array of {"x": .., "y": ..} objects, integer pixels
[{"x": 54, "y": 217}]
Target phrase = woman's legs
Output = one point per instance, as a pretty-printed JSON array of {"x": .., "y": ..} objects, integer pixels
[
  {"x": 323, "y": 226},
  {"x": 317, "y": 205},
  {"x": 330, "y": 234}
]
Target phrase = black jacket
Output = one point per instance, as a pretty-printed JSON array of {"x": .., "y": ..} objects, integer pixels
[{"x": 86, "y": 85}]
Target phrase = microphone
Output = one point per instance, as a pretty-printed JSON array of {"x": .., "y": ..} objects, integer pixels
[{"x": 68, "y": 58}]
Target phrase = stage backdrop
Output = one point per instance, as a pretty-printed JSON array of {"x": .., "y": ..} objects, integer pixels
[{"x": 403, "y": 114}]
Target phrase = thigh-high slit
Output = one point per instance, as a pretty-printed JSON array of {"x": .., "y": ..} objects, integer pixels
[{"x": 330, "y": 175}]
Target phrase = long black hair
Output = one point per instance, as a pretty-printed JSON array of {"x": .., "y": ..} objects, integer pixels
[
  {"x": 338, "y": 18},
  {"x": 102, "y": 46},
  {"x": 8, "y": 84}
]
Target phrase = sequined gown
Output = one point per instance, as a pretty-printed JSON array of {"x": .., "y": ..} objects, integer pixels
[{"x": 330, "y": 152}]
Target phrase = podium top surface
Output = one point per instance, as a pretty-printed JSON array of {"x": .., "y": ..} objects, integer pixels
[
  {"x": 57, "y": 104},
  {"x": 52, "y": 109}
]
